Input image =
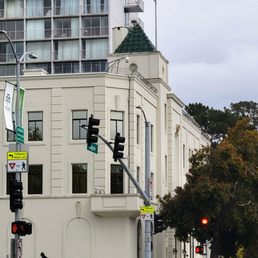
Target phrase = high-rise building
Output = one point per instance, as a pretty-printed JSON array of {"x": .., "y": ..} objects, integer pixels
[{"x": 68, "y": 36}]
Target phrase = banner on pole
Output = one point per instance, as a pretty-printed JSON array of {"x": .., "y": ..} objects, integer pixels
[{"x": 8, "y": 105}]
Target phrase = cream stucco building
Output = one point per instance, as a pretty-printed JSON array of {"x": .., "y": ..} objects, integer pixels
[{"x": 81, "y": 204}]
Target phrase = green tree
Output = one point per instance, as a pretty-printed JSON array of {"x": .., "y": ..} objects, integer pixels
[
  {"x": 222, "y": 185},
  {"x": 217, "y": 122}
]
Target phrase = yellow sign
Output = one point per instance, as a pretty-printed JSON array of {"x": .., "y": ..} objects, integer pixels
[
  {"x": 147, "y": 210},
  {"x": 18, "y": 155}
]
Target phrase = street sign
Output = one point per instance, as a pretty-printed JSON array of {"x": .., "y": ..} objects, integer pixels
[
  {"x": 147, "y": 213},
  {"x": 93, "y": 148},
  {"x": 17, "y": 166},
  {"x": 17, "y": 155},
  {"x": 19, "y": 134}
]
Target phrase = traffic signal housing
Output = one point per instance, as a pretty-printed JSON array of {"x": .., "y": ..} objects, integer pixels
[
  {"x": 204, "y": 221},
  {"x": 92, "y": 133},
  {"x": 15, "y": 195},
  {"x": 199, "y": 249},
  {"x": 118, "y": 147},
  {"x": 158, "y": 224},
  {"x": 21, "y": 228}
]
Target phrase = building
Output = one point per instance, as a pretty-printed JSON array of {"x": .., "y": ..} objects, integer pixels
[
  {"x": 82, "y": 204},
  {"x": 68, "y": 36}
]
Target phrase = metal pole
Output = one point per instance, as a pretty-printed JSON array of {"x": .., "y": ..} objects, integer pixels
[
  {"x": 147, "y": 188},
  {"x": 156, "y": 25}
]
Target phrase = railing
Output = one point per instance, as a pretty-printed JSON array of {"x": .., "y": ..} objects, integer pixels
[
  {"x": 95, "y": 9},
  {"x": 38, "y": 34},
  {"x": 72, "y": 54},
  {"x": 11, "y": 12},
  {"x": 66, "y": 10},
  {"x": 94, "y": 31},
  {"x": 66, "y": 33},
  {"x": 38, "y": 11},
  {"x": 14, "y": 35}
]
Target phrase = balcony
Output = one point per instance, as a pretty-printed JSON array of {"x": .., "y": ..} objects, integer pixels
[
  {"x": 134, "y": 6},
  {"x": 107, "y": 205}
]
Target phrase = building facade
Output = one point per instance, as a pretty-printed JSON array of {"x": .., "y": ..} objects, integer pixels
[
  {"x": 82, "y": 204},
  {"x": 68, "y": 36}
]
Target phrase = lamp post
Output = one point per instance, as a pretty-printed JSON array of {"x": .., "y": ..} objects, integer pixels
[
  {"x": 111, "y": 64},
  {"x": 147, "y": 183},
  {"x": 17, "y": 113}
]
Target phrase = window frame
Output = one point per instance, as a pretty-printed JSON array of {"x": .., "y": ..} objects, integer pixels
[
  {"x": 35, "y": 138},
  {"x": 116, "y": 180},
  {"x": 116, "y": 121},
  {"x": 35, "y": 174},
  {"x": 81, "y": 174},
  {"x": 82, "y": 131}
]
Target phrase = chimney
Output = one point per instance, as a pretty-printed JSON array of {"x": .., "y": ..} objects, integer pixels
[{"x": 119, "y": 34}]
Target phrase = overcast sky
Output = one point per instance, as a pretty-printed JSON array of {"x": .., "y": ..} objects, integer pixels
[{"x": 212, "y": 48}]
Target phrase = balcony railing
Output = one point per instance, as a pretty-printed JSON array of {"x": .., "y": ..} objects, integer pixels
[
  {"x": 66, "y": 33},
  {"x": 94, "y": 31},
  {"x": 69, "y": 54},
  {"x": 66, "y": 10},
  {"x": 38, "y": 34},
  {"x": 11, "y": 12},
  {"x": 134, "y": 6},
  {"x": 38, "y": 11},
  {"x": 95, "y": 9},
  {"x": 14, "y": 35}
]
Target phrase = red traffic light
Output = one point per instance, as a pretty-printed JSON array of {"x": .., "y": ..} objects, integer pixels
[
  {"x": 204, "y": 221},
  {"x": 199, "y": 249},
  {"x": 21, "y": 228}
]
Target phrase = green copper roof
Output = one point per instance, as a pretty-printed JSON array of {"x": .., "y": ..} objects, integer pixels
[{"x": 136, "y": 41}]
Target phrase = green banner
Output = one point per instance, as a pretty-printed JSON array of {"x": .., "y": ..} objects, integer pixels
[{"x": 21, "y": 104}]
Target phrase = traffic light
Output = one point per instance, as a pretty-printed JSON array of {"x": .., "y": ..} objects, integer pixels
[
  {"x": 92, "y": 133},
  {"x": 118, "y": 147},
  {"x": 158, "y": 224},
  {"x": 204, "y": 221},
  {"x": 15, "y": 195},
  {"x": 21, "y": 228},
  {"x": 199, "y": 249}
]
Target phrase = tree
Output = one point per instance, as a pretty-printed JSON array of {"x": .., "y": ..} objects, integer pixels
[
  {"x": 222, "y": 185},
  {"x": 217, "y": 122}
]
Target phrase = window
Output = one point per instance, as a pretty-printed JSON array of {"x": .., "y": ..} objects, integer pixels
[
  {"x": 38, "y": 8},
  {"x": 117, "y": 179},
  {"x": 116, "y": 124},
  {"x": 35, "y": 179},
  {"x": 40, "y": 49},
  {"x": 35, "y": 131},
  {"x": 79, "y": 119},
  {"x": 15, "y": 29},
  {"x": 95, "y": 6},
  {"x": 184, "y": 157},
  {"x": 94, "y": 26},
  {"x": 166, "y": 170},
  {"x": 66, "y": 7},
  {"x": 66, "y": 50},
  {"x": 138, "y": 119},
  {"x": 38, "y": 29},
  {"x": 152, "y": 137},
  {"x": 7, "y": 53},
  {"x": 94, "y": 48},
  {"x": 79, "y": 178},
  {"x": 67, "y": 27},
  {"x": 9, "y": 177},
  {"x": 94, "y": 66},
  {"x": 66, "y": 67}
]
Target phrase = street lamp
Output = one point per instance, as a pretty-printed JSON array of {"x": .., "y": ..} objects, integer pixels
[
  {"x": 147, "y": 183},
  {"x": 17, "y": 112},
  {"x": 111, "y": 64}
]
